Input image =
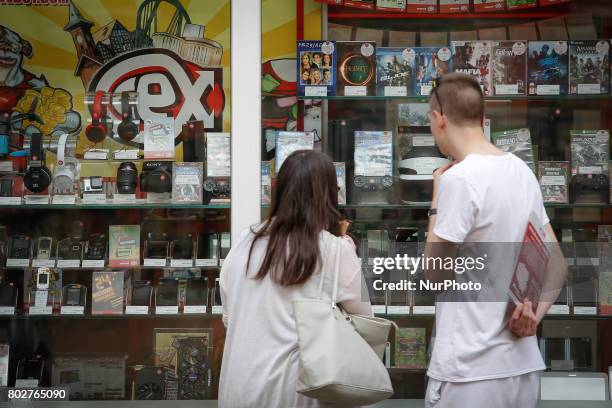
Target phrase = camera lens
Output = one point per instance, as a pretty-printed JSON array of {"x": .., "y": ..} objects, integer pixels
[{"x": 127, "y": 178}]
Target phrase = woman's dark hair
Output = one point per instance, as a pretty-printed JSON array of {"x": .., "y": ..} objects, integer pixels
[{"x": 304, "y": 203}]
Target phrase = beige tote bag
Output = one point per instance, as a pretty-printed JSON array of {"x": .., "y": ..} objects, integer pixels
[{"x": 337, "y": 365}]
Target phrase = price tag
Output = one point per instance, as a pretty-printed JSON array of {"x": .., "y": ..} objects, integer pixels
[
  {"x": 16, "y": 262},
  {"x": 398, "y": 310},
  {"x": 96, "y": 154},
  {"x": 207, "y": 262},
  {"x": 136, "y": 310},
  {"x": 43, "y": 263},
  {"x": 94, "y": 198},
  {"x": 194, "y": 309},
  {"x": 41, "y": 310},
  {"x": 93, "y": 263},
  {"x": 26, "y": 383},
  {"x": 37, "y": 199},
  {"x": 424, "y": 310},
  {"x": 396, "y": 91},
  {"x": 155, "y": 262},
  {"x": 589, "y": 89},
  {"x": 559, "y": 310},
  {"x": 126, "y": 155},
  {"x": 72, "y": 310},
  {"x": 315, "y": 91},
  {"x": 585, "y": 310},
  {"x": 426, "y": 90},
  {"x": 562, "y": 365},
  {"x": 221, "y": 262},
  {"x": 7, "y": 310},
  {"x": 355, "y": 91},
  {"x": 548, "y": 90},
  {"x": 10, "y": 200},
  {"x": 166, "y": 310},
  {"x": 64, "y": 199},
  {"x": 217, "y": 309},
  {"x": 507, "y": 89},
  {"x": 379, "y": 309},
  {"x": 587, "y": 261},
  {"x": 68, "y": 263},
  {"x": 181, "y": 263},
  {"x": 158, "y": 197},
  {"x": 125, "y": 198}
]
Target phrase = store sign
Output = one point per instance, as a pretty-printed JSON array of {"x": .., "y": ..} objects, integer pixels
[{"x": 167, "y": 86}]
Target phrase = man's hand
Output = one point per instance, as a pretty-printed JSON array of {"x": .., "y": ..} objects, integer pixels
[
  {"x": 523, "y": 322},
  {"x": 436, "y": 179}
]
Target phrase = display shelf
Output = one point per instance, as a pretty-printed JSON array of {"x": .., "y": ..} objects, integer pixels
[
  {"x": 547, "y": 317},
  {"x": 427, "y": 206},
  {"x": 109, "y": 269},
  {"x": 116, "y": 206},
  {"x": 83, "y": 317},
  {"x": 417, "y": 98}
]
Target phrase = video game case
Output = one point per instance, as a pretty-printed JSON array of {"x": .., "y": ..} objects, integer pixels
[
  {"x": 422, "y": 6},
  {"x": 266, "y": 183},
  {"x": 316, "y": 68},
  {"x": 474, "y": 58},
  {"x": 454, "y": 6},
  {"x": 187, "y": 182},
  {"x": 547, "y": 68},
  {"x": 517, "y": 142},
  {"x": 107, "y": 292},
  {"x": 124, "y": 246},
  {"x": 519, "y": 4},
  {"x": 589, "y": 67},
  {"x": 341, "y": 177},
  {"x": 489, "y": 5},
  {"x": 373, "y": 153},
  {"x": 288, "y": 142},
  {"x": 356, "y": 68},
  {"x": 605, "y": 292},
  {"x": 431, "y": 63},
  {"x": 554, "y": 178},
  {"x": 590, "y": 151},
  {"x": 411, "y": 347},
  {"x": 509, "y": 68},
  {"x": 413, "y": 114},
  {"x": 395, "y": 71},
  {"x": 363, "y": 4},
  {"x": 391, "y": 5}
]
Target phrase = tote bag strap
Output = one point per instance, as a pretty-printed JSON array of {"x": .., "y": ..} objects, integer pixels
[{"x": 326, "y": 264}]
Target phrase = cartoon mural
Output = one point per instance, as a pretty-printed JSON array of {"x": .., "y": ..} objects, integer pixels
[{"x": 155, "y": 47}]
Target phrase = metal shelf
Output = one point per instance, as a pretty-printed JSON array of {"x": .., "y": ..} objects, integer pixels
[
  {"x": 420, "y": 98},
  {"x": 115, "y": 206}
]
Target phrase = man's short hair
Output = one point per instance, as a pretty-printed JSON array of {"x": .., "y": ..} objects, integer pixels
[{"x": 461, "y": 97}]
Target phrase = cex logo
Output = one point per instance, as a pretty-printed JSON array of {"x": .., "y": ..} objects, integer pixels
[{"x": 167, "y": 86}]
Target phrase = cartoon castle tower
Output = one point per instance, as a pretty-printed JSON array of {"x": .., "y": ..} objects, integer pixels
[{"x": 80, "y": 29}]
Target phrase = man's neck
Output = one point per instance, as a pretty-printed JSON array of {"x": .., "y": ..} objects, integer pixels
[{"x": 470, "y": 140}]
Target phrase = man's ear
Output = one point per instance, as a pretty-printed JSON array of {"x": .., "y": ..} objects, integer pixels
[{"x": 26, "y": 48}]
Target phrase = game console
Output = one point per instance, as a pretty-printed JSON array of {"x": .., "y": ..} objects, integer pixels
[{"x": 589, "y": 188}]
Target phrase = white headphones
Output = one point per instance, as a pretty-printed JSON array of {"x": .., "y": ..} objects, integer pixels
[{"x": 65, "y": 170}]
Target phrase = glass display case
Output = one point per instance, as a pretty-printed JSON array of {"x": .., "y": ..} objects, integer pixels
[
  {"x": 115, "y": 201},
  {"x": 362, "y": 84}
]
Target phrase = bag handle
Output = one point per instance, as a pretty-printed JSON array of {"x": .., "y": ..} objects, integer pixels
[{"x": 331, "y": 251}]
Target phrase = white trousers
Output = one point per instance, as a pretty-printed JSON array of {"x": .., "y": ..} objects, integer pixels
[{"x": 521, "y": 391}]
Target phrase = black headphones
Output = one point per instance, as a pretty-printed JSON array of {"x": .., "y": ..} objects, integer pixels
[
  {"x": 98, "y": 129},
  {"x": 38, "y": 177},
  {"x": 127, "y": 129}
]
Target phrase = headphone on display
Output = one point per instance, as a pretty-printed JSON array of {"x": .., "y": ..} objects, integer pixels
[
  {"x": 63, "y": 178},
  {"x": 127, "y": 129},
  {"x": 38, "y": 177},
  {"x": 97, "y": 131}
]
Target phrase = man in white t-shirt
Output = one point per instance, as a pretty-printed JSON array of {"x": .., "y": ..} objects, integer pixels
[{"x": 482, "y": 357}]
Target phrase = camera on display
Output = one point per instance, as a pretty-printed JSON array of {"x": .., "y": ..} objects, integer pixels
[
  {"x": 127, "y": 178},
  {"x": 156, "y": 245},
  {"x": 38, "y": 177},
  {"x": 182, "y": 248},
  {"x": 156, "y": 177}
]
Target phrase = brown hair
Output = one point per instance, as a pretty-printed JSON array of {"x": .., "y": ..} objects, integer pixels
[
  {"x": 460, "y": 97},
  {"x": 304, "y": 203}
]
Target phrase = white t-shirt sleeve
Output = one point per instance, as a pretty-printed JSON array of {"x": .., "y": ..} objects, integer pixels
[{"x": 457, "y": 208}]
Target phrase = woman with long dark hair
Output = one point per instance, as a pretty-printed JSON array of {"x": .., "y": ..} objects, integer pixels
[{"x": 272, "y": 264}]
